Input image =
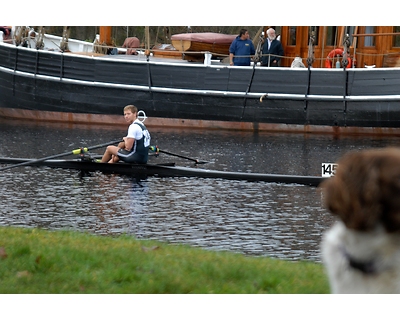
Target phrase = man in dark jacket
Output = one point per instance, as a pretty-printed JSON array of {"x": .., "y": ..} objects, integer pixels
[
  {"x": 241, "y": 49},
  {"x": 272, "y": 50}
]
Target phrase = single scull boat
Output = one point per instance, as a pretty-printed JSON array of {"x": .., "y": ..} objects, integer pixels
[{"x": 165, "y": 170}]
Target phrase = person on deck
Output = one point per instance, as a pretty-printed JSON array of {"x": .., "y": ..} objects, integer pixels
[
  {"x": 241, "y": 49},
  {"x": 135, "y": 146},
  {"x": 272, "y": 50},
  {"x": 6, "y": 33}
]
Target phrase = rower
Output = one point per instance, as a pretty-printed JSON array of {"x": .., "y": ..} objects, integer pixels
[{"x": 135, "y": 146}]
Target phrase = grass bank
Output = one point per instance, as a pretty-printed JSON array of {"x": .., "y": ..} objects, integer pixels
[{"x": 39, "y": 261}]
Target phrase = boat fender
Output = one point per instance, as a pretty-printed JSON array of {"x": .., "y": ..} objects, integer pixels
[
  {"x": 263, "y": 96},
  {"x": 334, "y": 53}
]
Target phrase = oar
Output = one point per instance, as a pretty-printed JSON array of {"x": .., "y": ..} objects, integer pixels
[
  {"x": 156, "y": 149},
  {"x": 76, "y": 151}
]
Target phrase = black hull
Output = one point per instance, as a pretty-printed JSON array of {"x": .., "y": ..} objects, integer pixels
[
  {"x": 44, "y": 81},
  {"x": 166, "y": 170}
]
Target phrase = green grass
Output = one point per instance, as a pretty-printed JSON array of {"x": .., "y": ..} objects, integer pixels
[{"x": 39, "y": 261}]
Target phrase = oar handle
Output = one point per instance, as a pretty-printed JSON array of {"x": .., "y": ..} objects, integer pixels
[
  {"x": 103, "y": 145},
  {"x": 156, "y": 149}
]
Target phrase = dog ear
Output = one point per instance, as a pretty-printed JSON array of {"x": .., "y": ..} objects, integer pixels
[
  {"x": 390, "y": 191},
  {"x": 365, "y": 190},
  {"x": 353, "y": 193}
]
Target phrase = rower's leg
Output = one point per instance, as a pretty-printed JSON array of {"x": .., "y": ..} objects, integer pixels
[
  {"x": 115, "y": 158},
  {"x": 108, "y": 154}
]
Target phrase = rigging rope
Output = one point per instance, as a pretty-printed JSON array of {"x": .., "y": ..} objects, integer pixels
[
  {"x": 310, "y": 57},
  {"x": 346, "y": 46}
]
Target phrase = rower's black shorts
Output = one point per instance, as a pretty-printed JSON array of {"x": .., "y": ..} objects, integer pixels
[{"x": 131, "y": 157}]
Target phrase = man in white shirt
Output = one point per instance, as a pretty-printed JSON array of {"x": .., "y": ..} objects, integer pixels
[{"x": 135, "y": 146}]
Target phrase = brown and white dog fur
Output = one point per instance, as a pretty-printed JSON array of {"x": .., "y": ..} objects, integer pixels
[{"x": 361, "y": 252}]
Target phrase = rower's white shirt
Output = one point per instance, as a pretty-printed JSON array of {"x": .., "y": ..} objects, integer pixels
[{"x": 135, "y": 131}]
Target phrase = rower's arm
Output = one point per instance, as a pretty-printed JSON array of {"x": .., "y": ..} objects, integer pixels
[{"x": 129, "y": 143}]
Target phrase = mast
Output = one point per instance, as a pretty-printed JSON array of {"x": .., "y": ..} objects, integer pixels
[
  {"x": 147, "y": 41},
  {"x": 105, "y": 35}
]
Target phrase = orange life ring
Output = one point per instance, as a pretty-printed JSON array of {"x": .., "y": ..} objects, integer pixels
[{"x": 333, "y": 54}]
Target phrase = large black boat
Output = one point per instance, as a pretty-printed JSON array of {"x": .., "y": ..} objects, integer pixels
[{"x": 80, "y": 86}]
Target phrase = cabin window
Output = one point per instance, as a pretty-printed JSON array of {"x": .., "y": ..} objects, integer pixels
[
  {"x": 278, "y": 32},
  {"x": 396, "y": 39},
  {"x": 291, "y": 36},
  {"x": 331, "y": 36},
  {"x": 316, "y": 33},
  {"x": 369, "y": 41}
]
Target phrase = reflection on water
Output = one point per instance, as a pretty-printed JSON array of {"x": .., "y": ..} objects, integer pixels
[{"x": 255, "y": 218}]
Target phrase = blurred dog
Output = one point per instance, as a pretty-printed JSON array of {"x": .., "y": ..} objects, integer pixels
[{"x": 361, "y": 252}]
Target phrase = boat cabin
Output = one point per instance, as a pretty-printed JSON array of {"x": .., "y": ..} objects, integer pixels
[{"x": 370, "y": 46}]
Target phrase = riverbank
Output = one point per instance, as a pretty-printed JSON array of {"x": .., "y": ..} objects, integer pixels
[{"x": 39, "y": 261}]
